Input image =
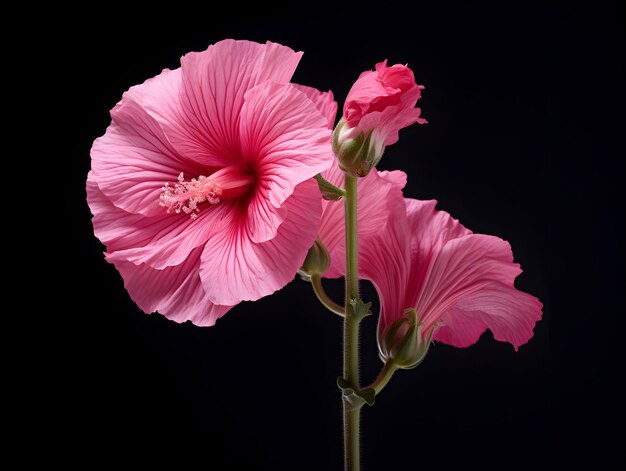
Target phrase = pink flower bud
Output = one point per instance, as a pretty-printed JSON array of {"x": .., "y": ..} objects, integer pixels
[{"x": 379, "y": 104}]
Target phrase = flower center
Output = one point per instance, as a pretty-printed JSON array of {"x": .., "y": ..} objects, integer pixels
[{"x": 185, "y": 196}]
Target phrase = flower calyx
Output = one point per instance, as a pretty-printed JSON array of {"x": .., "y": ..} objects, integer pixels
[
  {"x": 316, "y": 262},
  {"x": 403, "y": 342},
  {"x": 357, "y": 152}
]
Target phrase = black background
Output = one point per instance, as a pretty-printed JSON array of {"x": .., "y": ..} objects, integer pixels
[{"x": 525, "y": 109}]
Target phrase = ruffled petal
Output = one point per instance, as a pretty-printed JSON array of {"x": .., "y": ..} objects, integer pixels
[
  {"x": 175, "y": 292},
  {"x": 367, "y": 92},
  {"x": 159, "y": 241},
  {"x": 462, "y": 270},
  {"x": 286, "y": 141},
  {"x": 383, "y": 101},
  {"x": 323, "y": 101},
  {"x": 388, "y": 122},
  {"x": 176, "y": 236},
  {"x": 278, "y": 64},
  {"x": 431, "y": 230},
  {"x": 134, "y": 158},
  {"x": 234, "y": 268},
  {"x": 115, "y": 227},
  {"x": 459, "y": 283},
  {"x": 335, "y": 175},
  {"x": 460, "y": 328},
  {"x": 214, "y": 83},
  {"x": 509, "y": 314}
]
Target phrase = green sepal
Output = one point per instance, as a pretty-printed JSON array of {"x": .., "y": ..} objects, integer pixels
[{"x": 328, "y": 190}]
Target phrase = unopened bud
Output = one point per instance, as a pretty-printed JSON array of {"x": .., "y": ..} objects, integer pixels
[
  {"x": 317, "y": 261},
  {"x": 357, "y": 152}
]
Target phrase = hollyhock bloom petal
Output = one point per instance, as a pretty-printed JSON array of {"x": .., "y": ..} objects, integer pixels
[
  {"x": 460, "y": 327},
  {"x": 286, "y": 141},
  {"x": 459, "y": 269},
  {"x": 435, "y": 229},
  {"x": 388, "y": 123},
  {"x": 459, "y": 283},
  {"x": 324, "y": 101},
  {"x": 236, "y": 268},
  {"x": 476, "y": 273},
  {"x": 206, "y": 172},
  {"x": 158, "y": 241},
  {"x": 214, "y": 84},
  {"x": 168, "y": 241},
  {"x": 508, "y": 313},
  {"x": 175, "y": 292},
  {"x": 134, "y": 157}
]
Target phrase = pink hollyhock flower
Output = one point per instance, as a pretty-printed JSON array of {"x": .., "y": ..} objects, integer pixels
[
  {"x": 379, "y": 104},
  {"x": 450, "y": 285},
  {"x": 435, "y": 278},
  {"x": 201, "y": 187}
]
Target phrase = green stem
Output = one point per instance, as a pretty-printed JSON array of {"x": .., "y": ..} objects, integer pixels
[
  {"x": 351, "y": 446},
  {"x": 351, "y": 414},
  {"x": 352, "y": 260},
  {"x": 383, "y": 377},
  {"x": 318, "y": 289}
]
